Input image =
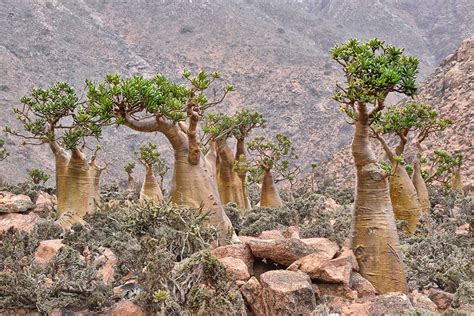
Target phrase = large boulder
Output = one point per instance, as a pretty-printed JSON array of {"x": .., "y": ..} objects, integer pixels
[
  {"x": 238, "y": 251},
  {"x": 322, "y": 246},
  {"x": 11, "y": 203},
  {"x": 252, "y": 292},
  {"x": 236, "y": 268},
  {"x": 46, "y": 251},
  {"x": 320, "y": 268},
  {"x": 287, "y": 293},
  {"x": 339, "y": 290},
  {"x": 282, "y": 251},
  {"x": 24, "y": 222},
  {"x": 390, "y": 303}
]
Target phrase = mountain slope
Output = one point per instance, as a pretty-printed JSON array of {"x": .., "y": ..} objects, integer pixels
[{"x": 275, "y": 53}]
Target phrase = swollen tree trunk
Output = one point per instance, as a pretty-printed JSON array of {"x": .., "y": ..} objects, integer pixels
[
  {"x": 78, "y": 189},
  {"x": 131, "y": 184},
  {"x": 151, "y": 189},
  {"x": 406, "y": 205},
  {"x": 456, "y": 184},
  {"x": 269, "y": 197},
  {"x": 241, "y": 158},
  {"x": 420, "y": 186},
  {"x": 374, "y": 234},
  {"x": 228, "y": 181}
]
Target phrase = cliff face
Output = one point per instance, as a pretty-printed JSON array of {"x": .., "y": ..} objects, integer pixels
[
  {"x": 276, "y": 54},
  {"x": 450, "y": 89}
]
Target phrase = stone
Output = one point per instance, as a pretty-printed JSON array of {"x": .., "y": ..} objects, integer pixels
[
  {"x": 125, "y": 308},
  {"x": 46, "y": 251},
  {"x": 109, "y": 260},
  {"x": 356, "y": 308},
  {"x": 319, "y": 268},
  {"x": 128, "y": 290},
  {"x": 463, "y": 230},
  {"x": 11, "y": 203},
  {"x": 287, "y": 293},
  {"x": 389, "y": 303},
  {"x": 24, "y": 222},
  {"x": 45, "y": 203},
  {"x": 252, "y": 293},
  {"x": 420, "y": 300},
  {"x": 282, "y": 251},
  {"x": 441, "y": 298},
  {"x": 322, "y": 246},
  {"x": 330, "y": 204},
  {"x": 339, "y": 290},
  {"x": 235, "y": 268},
  {"x": 271, "y": 234},
  {"x": 292, "y": 232},
  {"x": 239, "y": 251},
  {"x": 362, "y": 286},
  {"x": 347, "y": 252}
]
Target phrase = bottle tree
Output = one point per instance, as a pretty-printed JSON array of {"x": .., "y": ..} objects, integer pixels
[
  {"x": 373, "y": 70},
  {"x": 174, "y": 109},
  {"x": 408, "y": 202},
  {"x": 272, "y": 157},
  {"x": 131, "y": 183},
  {"x": 54, "y": 116},
  {"x": 231, "y": 170},
  {"x": 218, "y": 128},
  {"x": 149, "y": 156},
  {"x": 443, "y": 168}
]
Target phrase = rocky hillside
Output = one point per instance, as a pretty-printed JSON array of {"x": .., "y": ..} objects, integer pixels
[
  {"x": 450, "y": 89},
  {"x": 276, "y": 54}
]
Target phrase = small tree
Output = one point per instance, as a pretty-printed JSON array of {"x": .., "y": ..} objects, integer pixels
[
  {"x": 159, "y": 105},
  {"x": 412, "y": 117},
  {"x": 445, "y": 169},
  {"x": 273, "y": 158},
  {"x": 38, "y": 176},
  {"x": 3, "y": 151},
  {"x": 54, "y": 116},
  {"x": 373, "y": 70},
  {"x": 131, "y": 183},
  {"x": 149, "y": 156}
]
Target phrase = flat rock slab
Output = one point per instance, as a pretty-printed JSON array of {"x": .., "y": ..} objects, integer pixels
[
  {"x": 282, "y": 251},
  {"x": 287, "y": 293},
  {"x": 239, "y": 251},
  {"x": 322, "y": 246},
  {"x": 24, "y": 222}
]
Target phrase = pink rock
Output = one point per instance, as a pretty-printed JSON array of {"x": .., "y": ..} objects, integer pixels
[
  {"x": 11, "y": 203},
  {"x": 319, "y": 268},
  {"x": 463, "y": 229},
  {"x": 282, "y": 251},
  {"x": 235, "y": 268},
  {"x": 362, "y": 286},
  {"x": 125, "y": 308},
  {"x": 239, "y": 251},
  {"x": 356, "y": 308},
  {"x": 331, "y": 205},
  {"x": 287, "y": 293},
  {"x": 252, "y": 292},
  {"x": 45, "y": 203},
  {"x": 442, "y": 299},
  {"x": 322, "y": 246},
  {"x": 109, "y": 261},
  {"x": 348, "y": 253},
  {"x": 389, "y": 303},
  {"x": 46, "y": 251},
  {"x": 271, "y": 234},
  {"x": 422, "y": 301},
  {"x": 247, "y": 239},
  {"x": 24, "y": 222}
]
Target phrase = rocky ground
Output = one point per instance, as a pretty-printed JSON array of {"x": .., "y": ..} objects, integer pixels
[{"x": 143, "y": 259}]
